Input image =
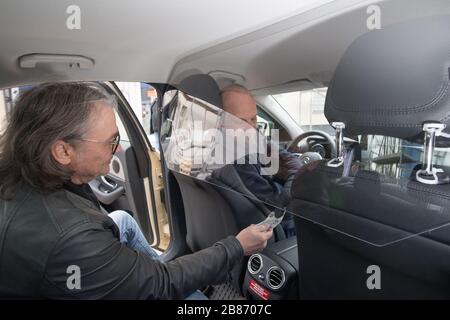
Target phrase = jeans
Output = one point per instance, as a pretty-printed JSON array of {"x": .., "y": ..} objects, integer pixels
[
  {"x": 130, "y": 233},
  {"x": 132, "y": 236}
]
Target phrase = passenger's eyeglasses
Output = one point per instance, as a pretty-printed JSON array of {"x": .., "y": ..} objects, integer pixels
[{"x": 114, "y": 144}]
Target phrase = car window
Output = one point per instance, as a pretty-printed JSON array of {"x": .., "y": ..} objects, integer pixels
[
  {"x": 8, "y": 98},
  {"x": 395, "y": 157},
  {"x": 142, "y": 98},
  {"x": 265, "y": 122},
  {"x": 306, "y": 108}
]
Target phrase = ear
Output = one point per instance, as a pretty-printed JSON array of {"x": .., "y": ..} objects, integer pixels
[{"x": 62, "y": 152}]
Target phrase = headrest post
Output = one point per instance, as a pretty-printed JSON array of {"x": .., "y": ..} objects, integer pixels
[
  {"x": 339, "y": 127},
  {"x": 429, "y": 142},
  {"x": 429, "y": 174}
]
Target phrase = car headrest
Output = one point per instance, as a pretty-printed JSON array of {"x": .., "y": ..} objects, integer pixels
[
  {"x": 390, "y": 81},
  {"x": 201, "y": 86}
]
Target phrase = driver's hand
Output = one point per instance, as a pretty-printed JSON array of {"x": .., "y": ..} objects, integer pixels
[{"x": 289, "y": 165}]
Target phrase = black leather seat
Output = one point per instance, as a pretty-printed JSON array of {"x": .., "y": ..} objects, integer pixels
[
  {"x": 245, "y": 206},
  {"x": 214, "y": 211},
  {"x": 209, "y": 217},
  {"x": 388, "y": 83}
]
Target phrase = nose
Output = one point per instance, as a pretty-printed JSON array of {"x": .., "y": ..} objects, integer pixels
[{"x": 119, "y": 148}]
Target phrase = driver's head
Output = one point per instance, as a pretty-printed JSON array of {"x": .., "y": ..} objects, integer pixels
[{"x": 238, "y": 101}]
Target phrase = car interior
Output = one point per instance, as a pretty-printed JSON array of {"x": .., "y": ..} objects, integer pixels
[{"x": 364, "y": 109}]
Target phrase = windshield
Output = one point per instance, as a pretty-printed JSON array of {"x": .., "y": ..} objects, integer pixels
[{"x": 306, "y": 108}]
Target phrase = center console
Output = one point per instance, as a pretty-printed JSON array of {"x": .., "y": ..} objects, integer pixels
[{"x": 273, "y": 273}]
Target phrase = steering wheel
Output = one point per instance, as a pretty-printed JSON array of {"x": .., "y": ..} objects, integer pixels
[{"x": 310, "y": 155}]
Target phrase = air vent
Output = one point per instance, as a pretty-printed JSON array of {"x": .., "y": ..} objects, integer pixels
[
  {"x": 255, "y": 264},
  {"x": 275, "y": 278}
]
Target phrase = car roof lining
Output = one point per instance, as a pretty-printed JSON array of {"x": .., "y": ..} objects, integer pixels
[{"x": 270, "y": 49}]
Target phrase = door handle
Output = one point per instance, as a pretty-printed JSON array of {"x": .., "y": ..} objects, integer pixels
[
  {"x": 104, "y": 195},
  {"x": 111, "y": 184}
]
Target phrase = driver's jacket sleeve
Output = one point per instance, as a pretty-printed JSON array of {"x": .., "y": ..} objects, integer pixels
[{"x": 60, "y": 246}]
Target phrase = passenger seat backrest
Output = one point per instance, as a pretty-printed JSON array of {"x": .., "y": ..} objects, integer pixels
[
  {"x": 247, "y": 208},
  {"x": 209, "y": 217}
]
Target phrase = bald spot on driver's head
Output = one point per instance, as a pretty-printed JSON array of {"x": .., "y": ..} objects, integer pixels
[{"x": 238, "y": 101}]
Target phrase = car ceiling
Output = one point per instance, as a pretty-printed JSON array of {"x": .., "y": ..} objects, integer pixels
[{"x": 260, "y": 43}]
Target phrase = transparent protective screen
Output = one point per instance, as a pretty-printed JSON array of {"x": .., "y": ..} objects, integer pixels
[{"x": 371, "y": 197}]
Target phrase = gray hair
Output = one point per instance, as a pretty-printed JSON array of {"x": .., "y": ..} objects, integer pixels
[
  {"x": 235, "y": 88},
  {"x": 42, "y": 115}
]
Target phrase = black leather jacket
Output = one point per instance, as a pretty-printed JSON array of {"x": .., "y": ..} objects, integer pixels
[{"x": 42, "y": 236}]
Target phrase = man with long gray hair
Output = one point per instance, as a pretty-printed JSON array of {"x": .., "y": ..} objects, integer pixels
[{"x": 59, "y": 137}]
